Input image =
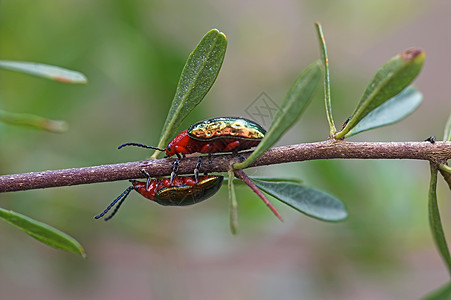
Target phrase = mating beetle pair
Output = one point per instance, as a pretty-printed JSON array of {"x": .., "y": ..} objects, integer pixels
[{"x": 217, "y": 135}]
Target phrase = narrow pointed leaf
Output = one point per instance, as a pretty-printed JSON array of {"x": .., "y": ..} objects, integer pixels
[
  {"x": 393, "y": 77},
  {"x": 57, "y": 126},
  {"x": 443, "y": 293},
  {"x": 435, "y": 222},
  {"x": 447, "y": 134},
  {"x": 296, "y": 101},
  {"x": 233, "y": 203},
  {"x": 198, "y": 76},
  {"x": 46, "y": 71},
  {"x": 392, "y": 111},
  {"x": 42, "y": 232},
  {"x": 325, "y": 63},
  {"x": 308, "y": 200}
]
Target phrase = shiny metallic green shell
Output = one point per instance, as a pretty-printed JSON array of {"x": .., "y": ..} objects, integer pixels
[
  {"x": 225, "y": 127},
  {"x": 188, "y": 195}
]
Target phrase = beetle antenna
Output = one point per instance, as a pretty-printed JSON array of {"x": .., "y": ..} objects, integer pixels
[
  {"x": 121, "y": 198},
  {"x": 140, "y": 145},
  {"x": 116, "y": 208}
]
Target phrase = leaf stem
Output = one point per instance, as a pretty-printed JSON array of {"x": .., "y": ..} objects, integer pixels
[
  {"x": 233, "y": 203},
  {"x": 241, "y": 175}
]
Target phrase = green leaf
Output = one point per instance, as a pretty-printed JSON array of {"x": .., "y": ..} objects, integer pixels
[
  {"x": 233, "y": 203},
  {"x": 46, "y": 71},
  {"x": 198, "y": 76},
  {"x": 443, "y": 293},
  {"x": 392, "y": 111},
  {"x": 296, "y": 101},
  {"x": 447, "y": 134},
  {"x": 435, "y": 222},
  {"x": 393, "y": 77},
  {"x": 325, "y": 62},
  {"x": 310, "y": 201},
  {"x": 42, "y": 232},
  {"x": 33, "y": 121}
]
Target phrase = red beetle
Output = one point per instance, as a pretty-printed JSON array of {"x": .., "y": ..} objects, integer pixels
[
  {"x": 181, "y": 191},
  {"x": 225, "y": 134}
]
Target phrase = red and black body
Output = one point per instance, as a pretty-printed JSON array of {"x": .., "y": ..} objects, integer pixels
[
  {"x": 183, "y": 143},
  {"x": 182, "y": 191},
  {"x": 224, "y": 134}
]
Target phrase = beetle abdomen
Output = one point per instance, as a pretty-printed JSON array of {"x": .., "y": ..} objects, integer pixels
[
  {"x": 226, "y": 127},
  {"x": 189, "y": 194}
]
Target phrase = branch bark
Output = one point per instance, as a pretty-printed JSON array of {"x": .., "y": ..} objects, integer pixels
[{"x": 436, "y": 153}]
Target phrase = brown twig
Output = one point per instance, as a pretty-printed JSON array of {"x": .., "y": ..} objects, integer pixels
[{"x": 436, "y": 153}]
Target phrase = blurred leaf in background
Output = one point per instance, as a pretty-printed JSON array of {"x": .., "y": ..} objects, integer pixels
[
  {"x": 45, "y": 71},
  {"x": 42, "y": 232}
]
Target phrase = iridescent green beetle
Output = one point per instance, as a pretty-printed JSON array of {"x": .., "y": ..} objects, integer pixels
[
  {"x": 226, "y": 127},
  {"x": 225, "y": 134}
]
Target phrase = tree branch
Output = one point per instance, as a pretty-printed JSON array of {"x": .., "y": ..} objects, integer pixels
[{"x": 436, "y": 153}]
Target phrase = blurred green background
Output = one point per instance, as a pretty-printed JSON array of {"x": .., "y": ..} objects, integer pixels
[{"x": 132, "y": 53}]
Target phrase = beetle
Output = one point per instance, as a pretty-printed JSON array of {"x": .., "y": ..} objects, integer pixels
[
  {"x": 181, "y": 191},
  {"x": 217, "y": 135}
]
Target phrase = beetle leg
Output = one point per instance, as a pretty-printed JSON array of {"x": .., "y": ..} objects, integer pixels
[
  {"x": 148, "y": 178},
  {"x": 232, "y": 145},
  {"x": 172, "y": 177},
  {"x": 179, "y": 157},
  {"x": 206, "y": 148},
  {"x": 210, "y": 163},
  {"x": 180, "y": 151},
  {"x": 175, "y": 167},
  {"x": 237, "y": 154},
  {"x": 196, "y": 169}
]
